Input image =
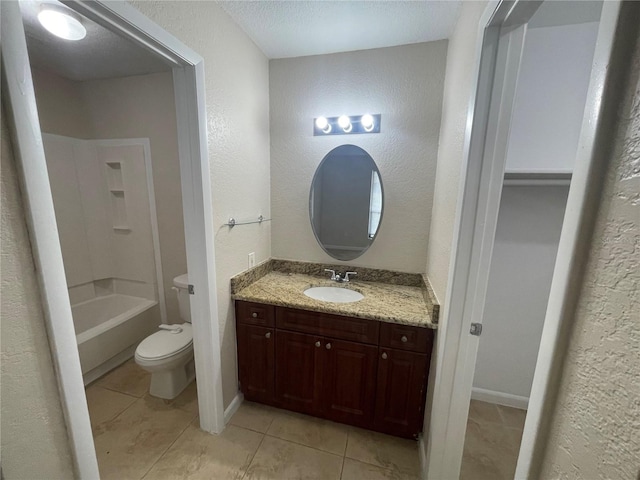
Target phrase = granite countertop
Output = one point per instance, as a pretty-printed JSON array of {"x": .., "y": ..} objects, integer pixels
[{"x": 382, "y": 301}]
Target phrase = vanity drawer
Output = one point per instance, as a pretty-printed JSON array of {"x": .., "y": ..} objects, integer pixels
[
  {"x": 333, "y": 326},
  {"x": 255, "y": 314},
  {"x": 406, "y": 337}
]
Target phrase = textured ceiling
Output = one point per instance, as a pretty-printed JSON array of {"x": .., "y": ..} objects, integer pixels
[
  {"x": 300, "y": 28},
  {"x": 101, "y": 54}
]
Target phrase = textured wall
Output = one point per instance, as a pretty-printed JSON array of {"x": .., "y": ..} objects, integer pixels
[
  {"x": 596, "y": 423},
  {"x": 457, "y": 91},
  {"x": 405, "y": 85},
  {"x": 237, "y": 97},
  {"x": 34, "y": 437}
]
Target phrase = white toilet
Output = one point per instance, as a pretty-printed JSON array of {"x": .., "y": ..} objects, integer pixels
[{"x": 168, "y": 353}]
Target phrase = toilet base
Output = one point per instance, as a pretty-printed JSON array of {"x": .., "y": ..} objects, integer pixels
[{"x": 168, "y": 384}]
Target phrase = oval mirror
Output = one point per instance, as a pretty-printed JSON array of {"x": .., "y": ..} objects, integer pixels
[{"x": 345, "y": 203}]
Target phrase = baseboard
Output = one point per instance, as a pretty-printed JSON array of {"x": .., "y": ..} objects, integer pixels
[
  {"x": 106, "y": 367},
  {"x": 500, "y": 398},
  {"x": 422, "y": 451},
  {"x": 233, "y": 407}
]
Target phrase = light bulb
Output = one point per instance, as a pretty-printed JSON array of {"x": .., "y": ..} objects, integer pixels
[
  {"x": 62, "y": 22},
  {"x": 345, "y": 123},
  {"x": 323, "y": 124},
  {"x": 367, "y": 122}
]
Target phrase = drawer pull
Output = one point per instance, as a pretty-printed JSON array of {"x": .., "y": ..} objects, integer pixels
[
  {"x": 254, "y": 315},
  {"x": 317, "y": 344},
  {"x": 328, "y": 346},
  {"x": 404, "y": 339},
  {"x": 384, "y": 355},
  {"x": 267, "y": 335}
]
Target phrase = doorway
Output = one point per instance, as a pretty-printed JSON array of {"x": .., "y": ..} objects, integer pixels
[
  {"x": 494, "y": 185},
  {"x": 187, "y": 73},
  {"x": 546, "y": 117}
]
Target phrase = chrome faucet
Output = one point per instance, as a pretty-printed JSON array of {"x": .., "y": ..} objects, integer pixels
[
  {"x": 338, "y": 277},
  {"x": 346, "y": 276}
]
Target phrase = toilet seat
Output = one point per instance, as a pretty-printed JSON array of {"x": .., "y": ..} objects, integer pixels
[{"x": 165, "y": 344}]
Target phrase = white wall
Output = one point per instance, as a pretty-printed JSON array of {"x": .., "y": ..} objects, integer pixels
[
  {"x": 545, "y": 127},
  {"x": 34, "y": 436},
  {"x": 86, "y": 214},
  {"x": 524, "y": 254},
  {"x": 405, "y": 85},
  {"x": 237, "y": 96}
]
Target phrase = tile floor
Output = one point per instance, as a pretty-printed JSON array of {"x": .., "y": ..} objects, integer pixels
[
  {"x": 492, "y": 443},
  {"x": 138, "y": 436}
]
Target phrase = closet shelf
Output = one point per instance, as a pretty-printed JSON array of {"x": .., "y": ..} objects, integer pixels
[{"x": 537, "y": 178}]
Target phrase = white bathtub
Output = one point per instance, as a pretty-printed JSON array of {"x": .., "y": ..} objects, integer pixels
[{"x": 109, "y": 328}]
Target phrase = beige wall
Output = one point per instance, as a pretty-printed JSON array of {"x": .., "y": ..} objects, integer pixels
[
  {"x": 405, "y": 85},
  {"x": 61, "y": 107},
  {"x": 237, "y": 97},
  {"x": 34, "y": 437},
  {"x": 596, "y": 423},
  {"x": 458, "y": 88},
  {"x": 144, "y": 106}
]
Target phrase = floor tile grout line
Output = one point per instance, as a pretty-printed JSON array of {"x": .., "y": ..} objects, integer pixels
[
  {"x": 303, "y": 445},
  {"x": 341, "y": 468},
  {"x": 254, "y": 454},
  {"x": 112, "y": 389},
  {"x": 167, "y": 449},
  {"x": 114, "y": 417}
]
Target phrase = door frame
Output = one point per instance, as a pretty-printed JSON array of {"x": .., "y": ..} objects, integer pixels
[
  {"x": 188, "y": 77},
  {"x": 476, "y": 220}
]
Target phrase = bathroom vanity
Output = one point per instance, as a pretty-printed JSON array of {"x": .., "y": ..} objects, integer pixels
[{"x": 367, "y": 366}]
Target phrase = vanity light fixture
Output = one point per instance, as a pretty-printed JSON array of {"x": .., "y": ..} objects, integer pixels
[
  {"x": 367, "y": 122},
  {"x": 323, "y": 124},
  {"x": 347, "y": 124},
  {"x": 61, "y": 21}
]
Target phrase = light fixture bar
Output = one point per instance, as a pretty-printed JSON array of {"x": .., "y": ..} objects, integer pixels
[{"x": 347, "y": 125}]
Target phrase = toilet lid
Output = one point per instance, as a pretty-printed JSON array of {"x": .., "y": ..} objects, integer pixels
[{"x": 164, "y": 343}]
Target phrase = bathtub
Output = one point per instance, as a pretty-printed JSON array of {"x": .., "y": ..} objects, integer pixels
[{"x": 109, "y": 328}]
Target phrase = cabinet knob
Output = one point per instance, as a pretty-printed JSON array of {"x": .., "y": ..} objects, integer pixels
[
  {"x": 328, "y": 346},
  {"x": 254, "y": 315},
  {"x": 384, "y": 355},
  {"x": 317, "y": 344},
  {"x": 268, "y": 334},
  {"x": 404, "y": 339}
]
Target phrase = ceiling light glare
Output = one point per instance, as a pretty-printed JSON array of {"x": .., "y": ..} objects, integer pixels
[
  {"x": 345, "y": 123},
  {"x": 367, "y": 122},
  {"x": 323, "y": 124},
  {"x": 61, "y": 22}
]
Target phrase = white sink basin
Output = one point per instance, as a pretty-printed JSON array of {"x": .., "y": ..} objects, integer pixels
[{"x": 333, "y": 294}]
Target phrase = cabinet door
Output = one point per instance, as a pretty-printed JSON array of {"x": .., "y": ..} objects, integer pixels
[
  {"x": 256, "y": 357},
  {"x": 299, "y": 359},
  {"x": 400, "y": 392},
  {"x": 349, "y": 382}
]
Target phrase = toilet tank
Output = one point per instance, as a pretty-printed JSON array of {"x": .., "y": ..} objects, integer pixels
[{"x": 181, "y": 285}]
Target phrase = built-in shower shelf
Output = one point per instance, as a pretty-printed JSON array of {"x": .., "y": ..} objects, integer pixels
[{"x": 115, "y": 184}]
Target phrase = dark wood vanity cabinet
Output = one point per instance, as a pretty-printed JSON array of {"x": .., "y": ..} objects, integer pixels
[{"x": 350, "y": 370}]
